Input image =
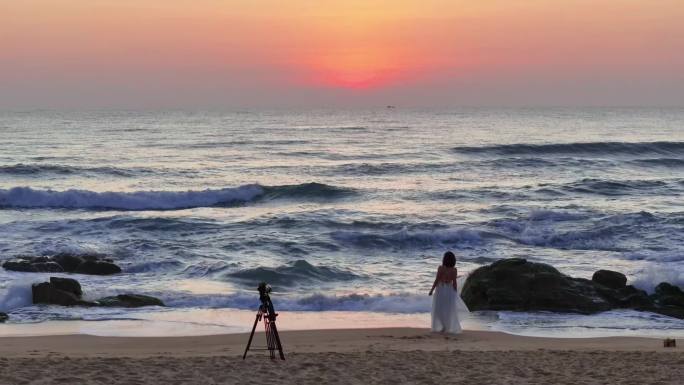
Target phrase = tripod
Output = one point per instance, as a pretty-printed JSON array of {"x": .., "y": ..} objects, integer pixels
[{"x": 267, "y": 313}]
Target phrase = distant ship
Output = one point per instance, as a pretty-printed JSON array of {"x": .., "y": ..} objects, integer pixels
[{"x": 391, "y": 107}]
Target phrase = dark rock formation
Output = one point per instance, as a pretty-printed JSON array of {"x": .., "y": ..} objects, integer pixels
[
  {"x": 669, "y": 295},
  {"x": 3, "y": 317},
  {"x": 518, "y": 285},
  {"x": 97, "y": 268},
  {"x": 67, "y": 292},
  {"x": 611, "y": 279},
  {"x": 48, "y": 293},
  {"x": 515, "y": 284},
  {"x": 68, "y": 262},
  {"x": 28, "y": 265},
  {"x": 88, "y": 264},
  {"x": 129, "y": 300},
  {"x": 669, "y": 299},
  {"x": 67, "y": 284}
]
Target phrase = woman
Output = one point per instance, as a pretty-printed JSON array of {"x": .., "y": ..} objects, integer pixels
[{"x": 446, "y": 301}]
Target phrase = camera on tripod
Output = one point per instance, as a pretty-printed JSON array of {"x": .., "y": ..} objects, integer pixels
[
  {"x": 265, "y": 298},
  {"x": 266, "y": 313}
]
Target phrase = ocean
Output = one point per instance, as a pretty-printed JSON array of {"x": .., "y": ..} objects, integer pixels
[{"x": 345, "y": 213}]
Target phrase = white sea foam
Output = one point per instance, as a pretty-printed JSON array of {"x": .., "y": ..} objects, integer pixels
[
  {"x": 15, "y": 295},
  {"x": 653, "y": 275}
]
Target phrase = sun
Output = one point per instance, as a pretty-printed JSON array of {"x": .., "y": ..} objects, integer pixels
[
  {"x": 358, "y": 46},
  {"x": 355, "y": 70}
]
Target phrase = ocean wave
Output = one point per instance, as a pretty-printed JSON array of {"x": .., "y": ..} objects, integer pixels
[
  {"x": 614, "y": 187},
  {"x": 536, "y": 162},
  {"x": 660, "y": 162},
  {"x": 580, "y": 148},
  {"x": 155, "y": 266},
  {"x": 22, "y": 169},
  {"x": 481, "y": 194},
  {"x": 552, "y": 191},
  {"x": 339, "y": 219},
  {"x": 245, "y": 142},
  {"x": 64, "y": 247},
  {"x": 552, "y": 215},
  {"x": 371, "y": 169},
  {"x": 298, "y": 272},
  {"x": 312, "y": 191},
  {"x": 26, "y": 197},
  {"x": 390, "y": 303},
  {"x": 410, "y": 239},
  {"x": 581, "y": 231},
  {"x": 390, "y": 168},
  {"x": 157, "y": 224}
]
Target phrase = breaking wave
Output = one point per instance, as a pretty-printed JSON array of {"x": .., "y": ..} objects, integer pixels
[
  {"x": 26, "y": 197},
  {"x": 295, "y": 273}
]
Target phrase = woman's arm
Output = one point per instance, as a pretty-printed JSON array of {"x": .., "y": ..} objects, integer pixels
[{"x": 434, "y": 284}]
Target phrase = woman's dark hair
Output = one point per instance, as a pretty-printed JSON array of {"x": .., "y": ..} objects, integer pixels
[{"x": 449, "y": 259}]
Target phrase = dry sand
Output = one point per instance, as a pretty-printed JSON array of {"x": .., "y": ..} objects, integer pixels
[{"x": 358, "y": 356}]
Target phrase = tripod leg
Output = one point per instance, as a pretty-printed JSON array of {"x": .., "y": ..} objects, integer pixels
[
  {"x": 269, "y": 337},
  {"x": 256, "y": 321},
  {"x": 277, "y": 340}
]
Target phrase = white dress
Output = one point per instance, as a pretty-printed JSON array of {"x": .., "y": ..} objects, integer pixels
[{"x": 446, "y": 306}]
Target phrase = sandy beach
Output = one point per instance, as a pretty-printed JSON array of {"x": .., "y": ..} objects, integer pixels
[{"x": 351, "y": 356}]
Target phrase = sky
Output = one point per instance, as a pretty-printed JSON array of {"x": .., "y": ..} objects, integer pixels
[{"x": 352, "y": 53}]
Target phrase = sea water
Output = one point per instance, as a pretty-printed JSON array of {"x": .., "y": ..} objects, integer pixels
[{"x": 342, "y": 212}]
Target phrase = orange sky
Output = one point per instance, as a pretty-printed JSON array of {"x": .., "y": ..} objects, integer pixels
[{"x": 213, "y": 53}]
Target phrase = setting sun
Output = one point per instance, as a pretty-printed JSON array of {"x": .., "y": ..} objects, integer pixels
[{"x": 355, "y": 70}]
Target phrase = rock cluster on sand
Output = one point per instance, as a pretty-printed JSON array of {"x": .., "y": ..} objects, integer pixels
[
  {"x": 3, "y": 317},
  {"x": 519, "y": 285},
  {"x": 67, "y": 292},
  {"x": 81, "y": 264}
]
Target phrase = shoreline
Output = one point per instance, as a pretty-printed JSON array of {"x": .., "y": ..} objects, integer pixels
[{"x": 211, "y": 322}]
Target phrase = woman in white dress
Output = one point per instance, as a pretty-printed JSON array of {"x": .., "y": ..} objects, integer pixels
[{"x": 446, "y": 301}]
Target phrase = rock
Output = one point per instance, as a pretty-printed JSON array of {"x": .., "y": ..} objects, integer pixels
[
  {"x": 49, "y": 293},
  {"x": 3, "y": 317},
  {"x": 129, "y": 300},
  {"x": 668, "y": 295},
  {"x": 67, "y": 261},
  {"x": 67, "y": 284},
  {"x": 98, "y": 268},
  {"x": 41, "y": 292},
  {"x": 516, "y": 284},
  {"x": 67, "y": 292},
  {"x": 20, "y": 265},
  {"x": 48, "y": 267},
  {"x": 519, "y": 285},
  {"x": 611, "y": 279},
  {"x": 88, "y": 264}
]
